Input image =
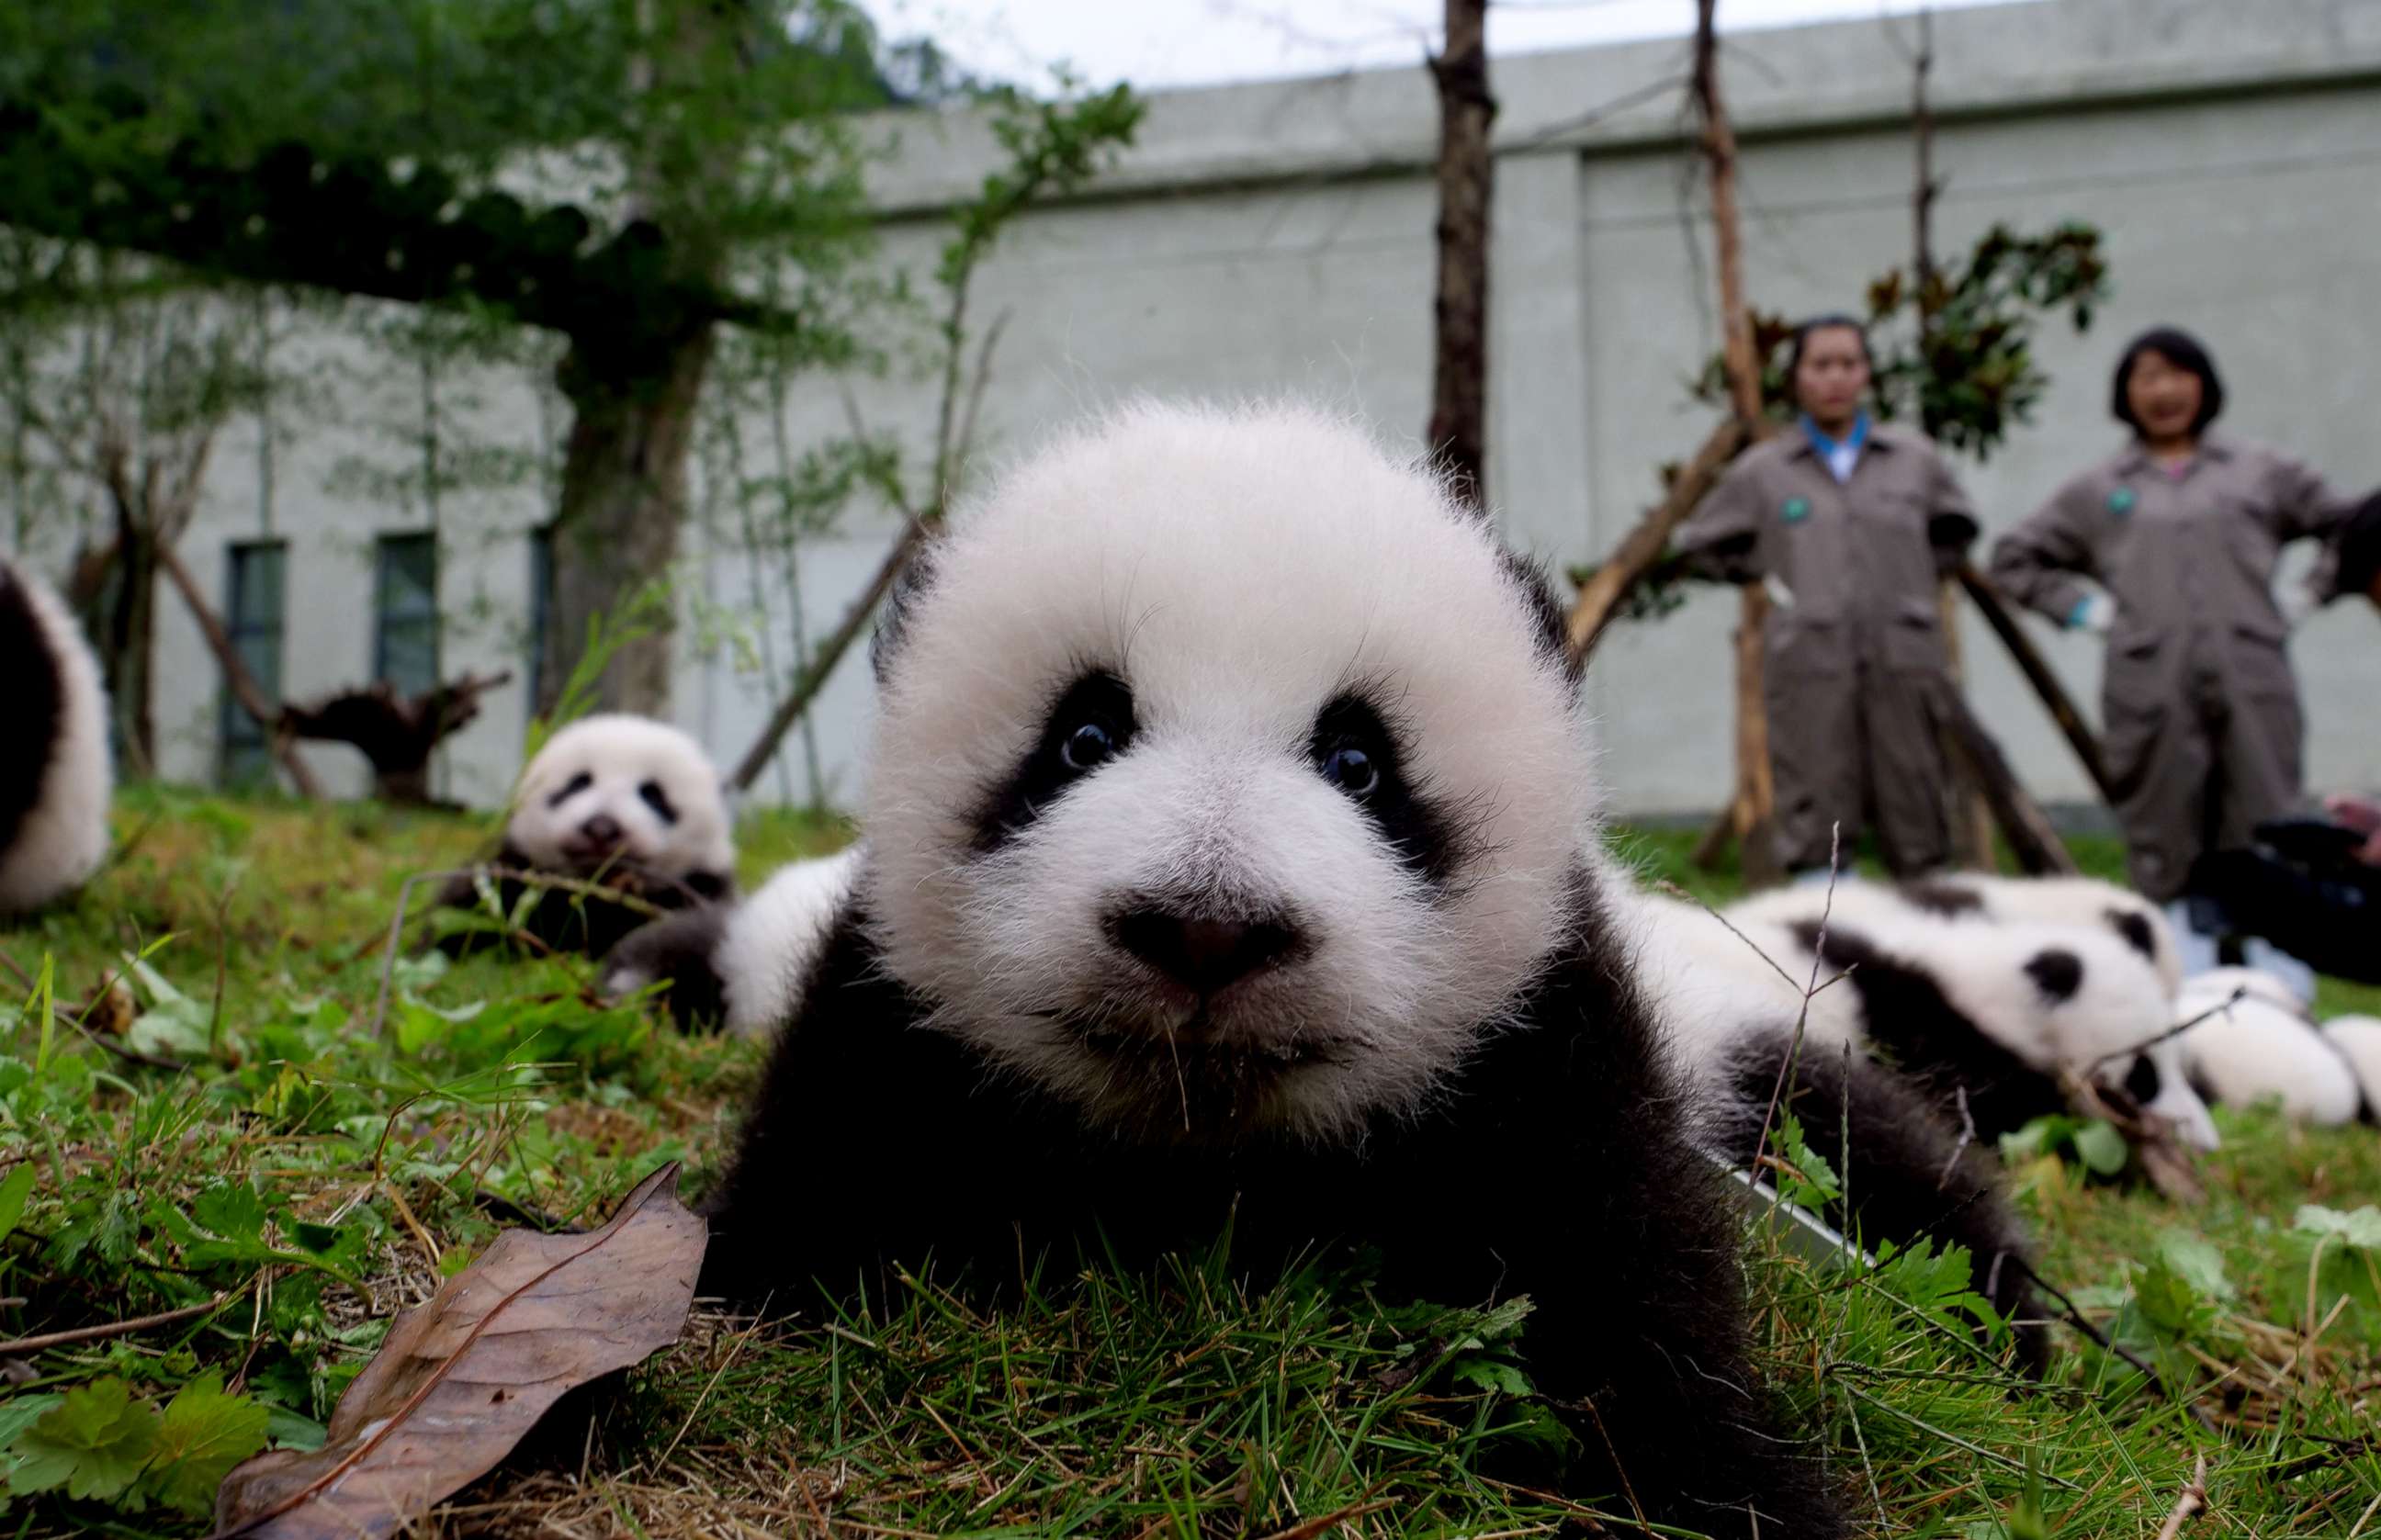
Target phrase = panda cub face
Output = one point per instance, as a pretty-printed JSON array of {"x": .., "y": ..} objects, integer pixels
[
  {"x": 616, "y": 792},
  {"x": 1227, "y": 777}
]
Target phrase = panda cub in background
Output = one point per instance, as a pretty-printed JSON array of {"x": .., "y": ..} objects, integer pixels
[
  {"x": 1988, "y": 1014},
  {"x": 56, "y": 770},
  {"x": 2068, "y": 901},
  {"x": 2252, "y": 1042},
  {"x": 1230, "y": 866},
  {"x": 739, "y": 966},
  {"x": 621, "y": 801}
]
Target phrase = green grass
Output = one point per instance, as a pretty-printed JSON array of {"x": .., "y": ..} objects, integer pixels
[{"x": 318, "y": 1163}]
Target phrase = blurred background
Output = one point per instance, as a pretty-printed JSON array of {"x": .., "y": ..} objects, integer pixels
[{"x": 372, "y": 375}]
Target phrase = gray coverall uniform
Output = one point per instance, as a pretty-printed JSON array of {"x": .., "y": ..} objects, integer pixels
[
  {"x": 1854, "y": 668},
  {"x": 2200, "y": 723}
]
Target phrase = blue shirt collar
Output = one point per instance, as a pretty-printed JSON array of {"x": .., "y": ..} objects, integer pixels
[{"x": 1856, "y": 439}]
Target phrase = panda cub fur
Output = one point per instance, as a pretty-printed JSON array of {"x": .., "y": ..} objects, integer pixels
[
  {"x": 1733, "y": 1017},
  {"x": 741, "y": 966},
  {"x": 1230, "y": 866},
  {"x": 2358, "y": 1039},
  {"x": 1988, "y": 1014},
  {"x": 2259, "y": 1047},
  {"x": 56, "y": 775},
  {"x": 2070, "y": 901},
  {"x": 613, "y": 799}
]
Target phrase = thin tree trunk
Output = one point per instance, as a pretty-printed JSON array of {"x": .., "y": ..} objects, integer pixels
[
  {"x": 1458, "y": 408},
  {"x": 1600, "y": 595},
  {"x": 1753, "y": 807},
  {"x": 624, "y": 495}
]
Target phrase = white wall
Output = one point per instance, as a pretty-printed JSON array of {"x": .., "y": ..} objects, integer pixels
[{"x": 1274, "y": 238}]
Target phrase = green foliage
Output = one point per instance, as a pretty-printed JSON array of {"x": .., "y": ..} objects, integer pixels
[{"x": 2093, "y": 1142}]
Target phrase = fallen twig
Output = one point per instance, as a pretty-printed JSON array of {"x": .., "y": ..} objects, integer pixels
[
  {"x": 47, "y": 1340},
  {"x": 2193, "y": 1502}
]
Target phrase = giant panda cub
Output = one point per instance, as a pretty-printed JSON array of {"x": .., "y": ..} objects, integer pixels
[
  {"x": 739, "y": 966},
  {"x": 1228, "y": 869},
  {"x": 1733, "y": 996},
  {"x": 1987, "y": 1015},
  {"x": 2247, "y": 1041},
  {"x": 55, "y": 775},
  {"x": 623, "y": 802},
  {"x": 2358, "y": 1039},
  {"x": 2069, "y": 901}
]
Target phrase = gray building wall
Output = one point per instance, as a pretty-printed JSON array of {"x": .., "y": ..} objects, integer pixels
[{"x": 1277, "y": 237}]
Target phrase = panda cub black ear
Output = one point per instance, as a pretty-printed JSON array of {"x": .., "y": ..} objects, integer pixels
[{"x": 2058, "y": 973}]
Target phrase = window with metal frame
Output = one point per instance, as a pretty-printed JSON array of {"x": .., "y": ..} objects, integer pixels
[
  {"x": 254, "y": 617},
  {"x": 404, "y": 612}
]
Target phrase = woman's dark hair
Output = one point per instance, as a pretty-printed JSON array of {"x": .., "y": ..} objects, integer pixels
[
  {"x": 1828, "y": 322},
  {"x": 2183, "y": 350}
]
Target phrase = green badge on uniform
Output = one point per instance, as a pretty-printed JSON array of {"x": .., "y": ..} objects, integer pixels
[
  {"x": 2121, "y": 502},
  {"x": 1796, "y": 509}
]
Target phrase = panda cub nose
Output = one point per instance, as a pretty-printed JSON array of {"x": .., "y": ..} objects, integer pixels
[
  {"x": 601, "y": 830},
  {"x": 1203, "y": 955}
]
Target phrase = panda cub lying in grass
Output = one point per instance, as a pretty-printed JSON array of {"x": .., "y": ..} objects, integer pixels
[
  {"x": 54, "y": 773},
  {"x": 1230, "y": 861},
  {"x": 621, "y": 802}
]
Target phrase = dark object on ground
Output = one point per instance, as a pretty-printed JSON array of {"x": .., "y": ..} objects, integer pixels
[
  {"x": 678, "y": 953},
  {"x": 569, "y": 918},
  {"x": 2302, "y": 887},
  {"x": 397, "y": 732}
]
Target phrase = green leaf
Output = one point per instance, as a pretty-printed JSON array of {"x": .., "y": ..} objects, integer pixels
[
  {"x": 20, "y": 1412},
  {"x": 2102, "y": 1147},
  {"x": 94, "y": 1443},
  {"x": 205, "y": 1433},
  {"x": 1490, "y": 1374},
  {"x": 2198, "y": 1261},
  {"x": 2360, "y": 1228},
  {"x": 14, "y": 1190},
  {"x": 2168, "y": 1302}
]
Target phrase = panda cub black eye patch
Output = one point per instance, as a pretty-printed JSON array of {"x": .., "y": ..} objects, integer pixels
[
  {"x": 1354, "y": 750},
  {"x": 658, "y": 800},
  {"x": 1089, "y": 725},
  {"x": 570, "y": 788}
]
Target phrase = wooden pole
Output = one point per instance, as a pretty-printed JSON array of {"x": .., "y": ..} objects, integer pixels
[
  {"x": 2038, "y": 673},
  {"x": 1600, "y": 595},
  {"x": 1458, "y": 412},
  {"x": 2036, "y": 844}
]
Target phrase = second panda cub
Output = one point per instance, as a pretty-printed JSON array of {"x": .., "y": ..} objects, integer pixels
[{"x": 621, "y": 802}]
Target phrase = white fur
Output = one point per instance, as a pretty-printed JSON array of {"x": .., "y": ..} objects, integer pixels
[
  {"x": 1239, "y": 569},
  {"x": 2204, "y": 991},
  {"x": 2252, "y": 1049},
  {"x": 2074, "y": 901},
  {"x": 64, "y": 836},
  {"x": 2119, "y": 1005},
  {"x": 772, "y": 936},
  {"x": 1711, "y": 984},
  {"x": 2358, "y": 1039},
  {"x": 619, "y": 753}
]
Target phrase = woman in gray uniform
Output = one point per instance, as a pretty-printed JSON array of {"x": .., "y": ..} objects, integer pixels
[
  {"x": 1848, "y": 525},
  {"x": 2167, "y": 548}
]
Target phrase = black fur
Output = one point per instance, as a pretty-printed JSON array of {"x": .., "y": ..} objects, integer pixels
[
  {"x": 563, "y": 921},
  {"x": 1905, "y": 1173},
  {"x": 1932, "y": 1040},
  {"x": 1042, "y": 776},
  {"x": 677, "y": 951},
  {"x": 1546, "y": 613},
  {"x": 1938, "y": 896},
  {"x": 1556, "y": 1164},
  {"x": 1425, "y": 839},
  {"x": 2134, "y": 926},
  {"x": 892, "y": 620},
  {"x": 36, "y": 707}
]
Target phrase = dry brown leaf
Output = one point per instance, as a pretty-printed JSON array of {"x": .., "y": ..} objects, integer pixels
[{"x": 463, "y": 1375}]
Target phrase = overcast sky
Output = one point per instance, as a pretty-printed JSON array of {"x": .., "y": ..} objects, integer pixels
[{"x": 1154, "y": 44}]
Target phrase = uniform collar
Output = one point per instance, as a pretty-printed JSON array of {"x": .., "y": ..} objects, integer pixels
[
  {"x": 2136, "y": 457},
  {"x": 1810, "y": 438}
]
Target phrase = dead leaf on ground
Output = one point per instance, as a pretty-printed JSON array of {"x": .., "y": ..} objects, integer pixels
[{"x": 465, "y": 1374}]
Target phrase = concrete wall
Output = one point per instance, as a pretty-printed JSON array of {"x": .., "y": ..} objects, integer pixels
[{"x": 1278, "y": 238}]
